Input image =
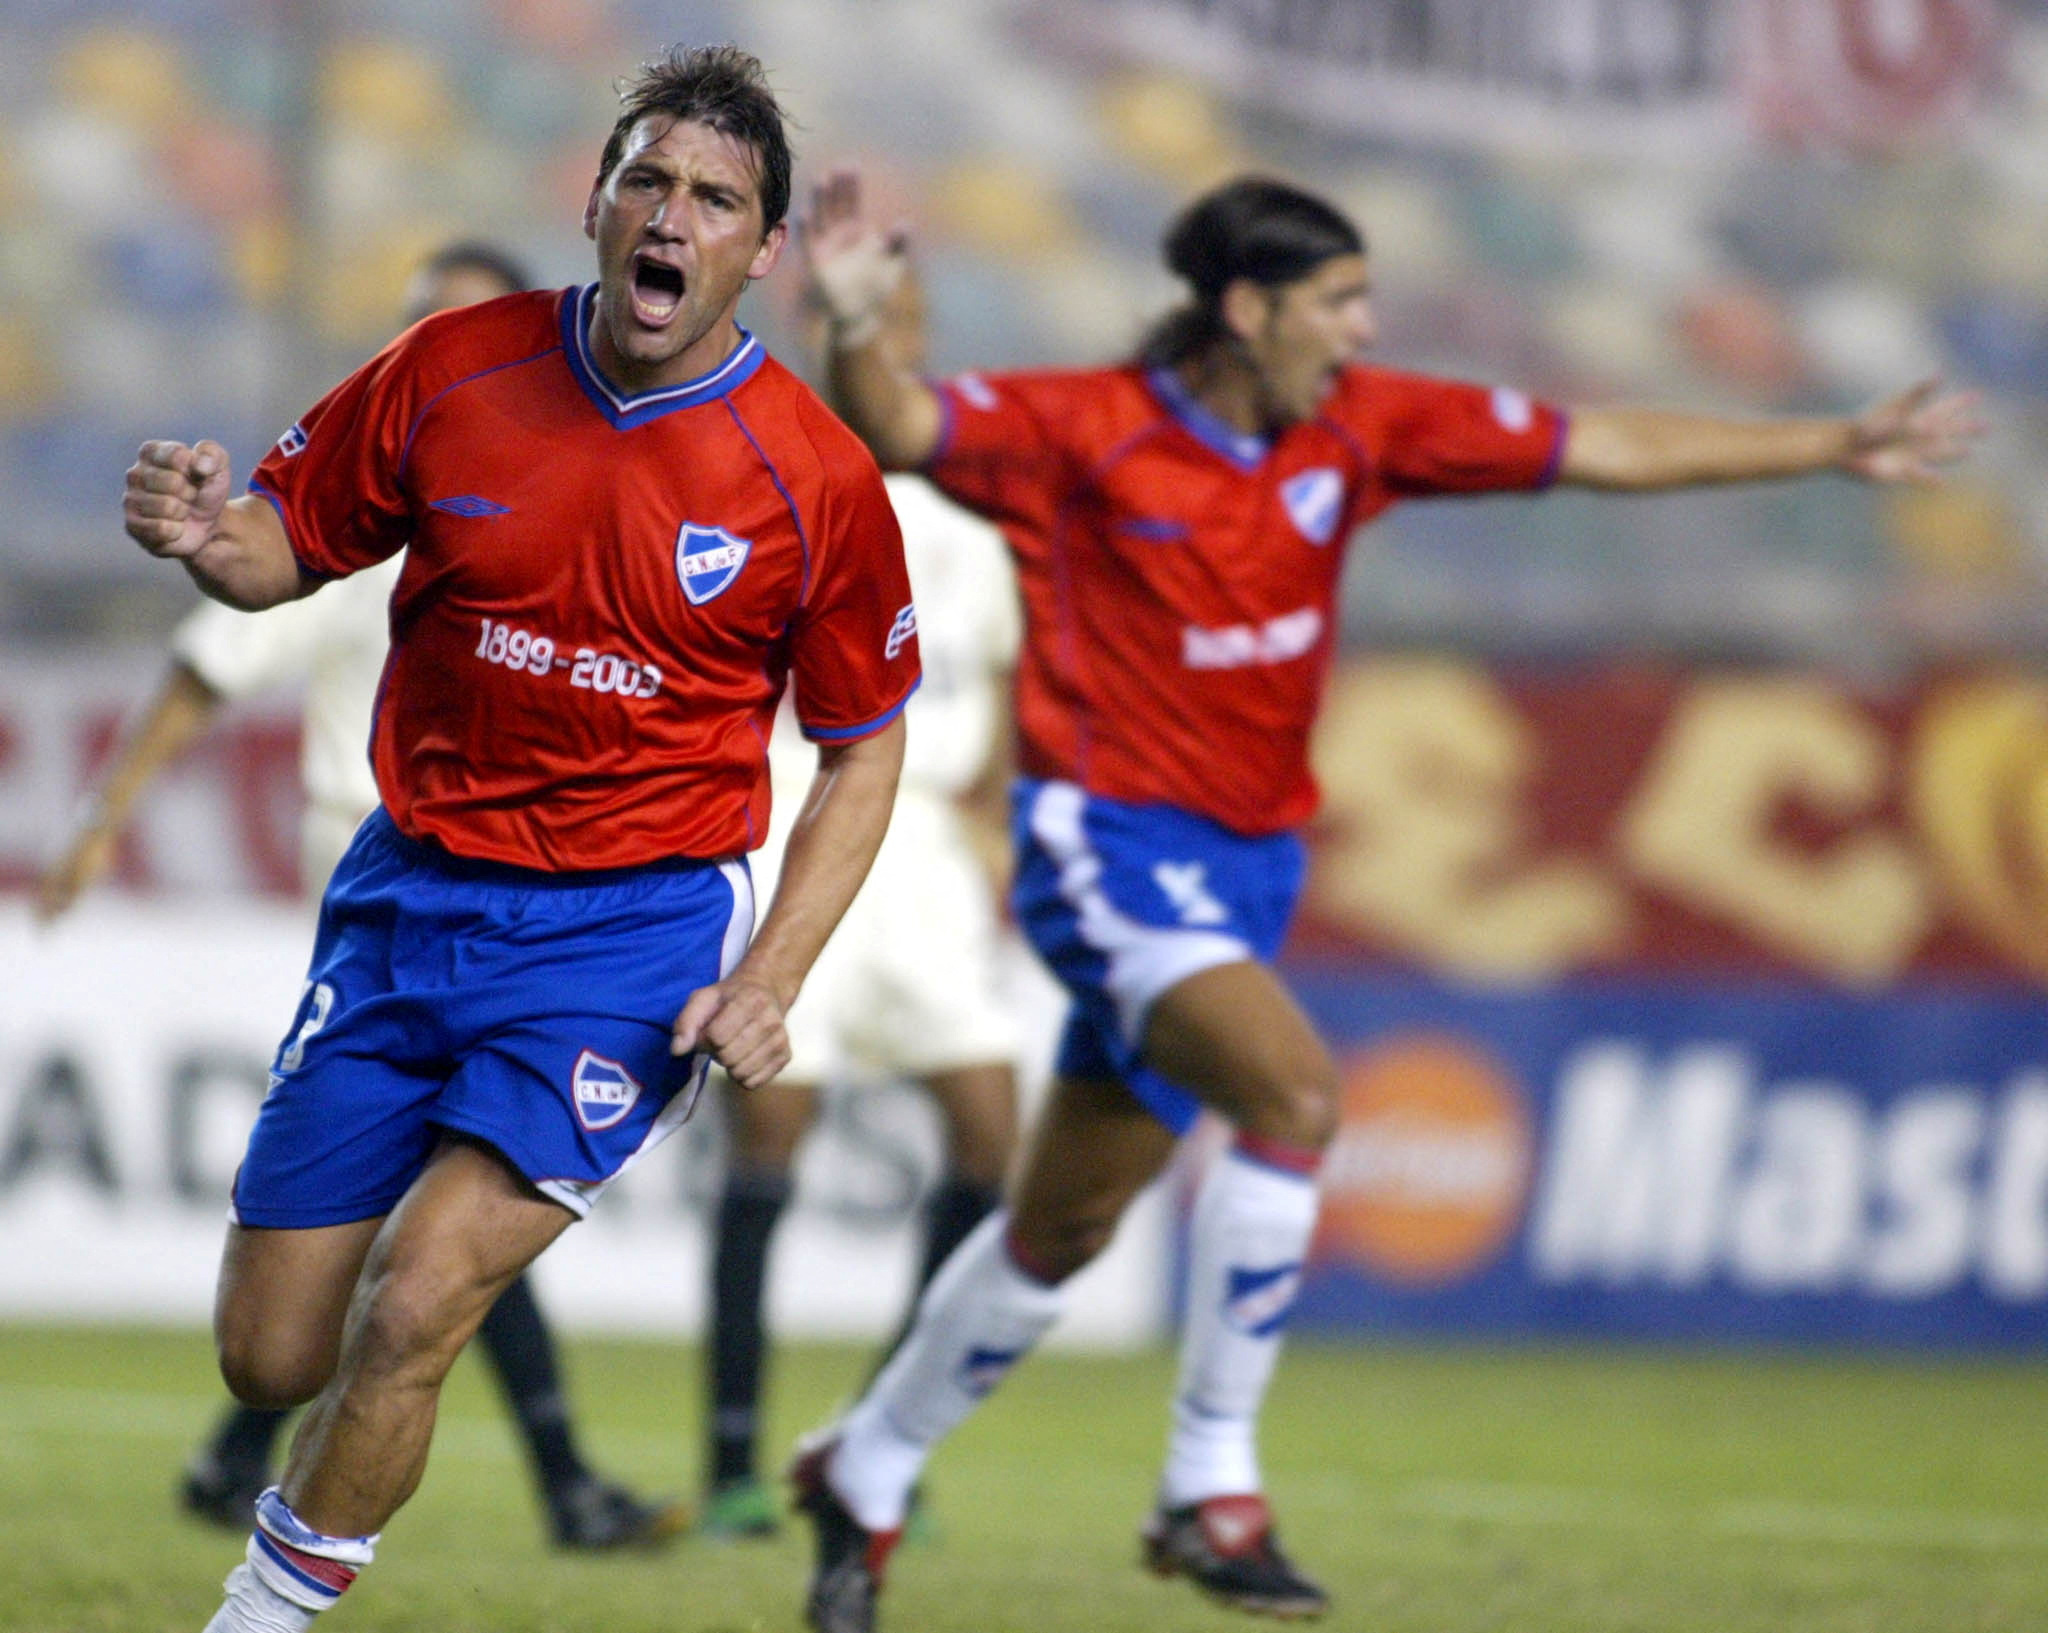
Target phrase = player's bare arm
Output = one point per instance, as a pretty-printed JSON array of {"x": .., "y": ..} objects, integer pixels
[
  {"x": 175, "y": 505},
  {"x": 856, "y": 271},
  {"x": 1906, "y": 438},
  {"x": 831, "y": 846},
  {"x": 178, "y": 713}
]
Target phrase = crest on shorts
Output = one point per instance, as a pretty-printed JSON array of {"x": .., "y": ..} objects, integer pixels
[
  {"x": 1314, "y": 501},
  {"x": 604, "y": 1091},
  {"x": 708, "y": 559}
]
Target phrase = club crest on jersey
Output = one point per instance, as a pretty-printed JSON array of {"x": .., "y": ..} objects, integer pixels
[
  {"x": 1314, "y": 501},
  {"x": 603, "y": 1089},
  {"x": 708, "y": 559},
  {"x": 1259, "y": 1302}
]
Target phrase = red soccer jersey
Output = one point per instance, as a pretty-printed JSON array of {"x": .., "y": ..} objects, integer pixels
[
  {"x": 1179, "y": 577},
  {"x": 604, "y": 594}
]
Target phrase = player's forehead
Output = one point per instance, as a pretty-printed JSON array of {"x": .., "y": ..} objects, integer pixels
[{"x": 691, "y": 149}]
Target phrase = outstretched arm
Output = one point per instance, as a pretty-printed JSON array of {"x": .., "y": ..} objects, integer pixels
[
  {"x": 861, "y": 278},
  {"x": 176, "y": 505},
  {"x": 1907, "y": 438},
  {"x": 831, "y": 846},
  {"x": 178, "y": 713}
]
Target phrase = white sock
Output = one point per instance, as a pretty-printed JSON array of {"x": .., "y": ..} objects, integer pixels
[
  {"x": 292, "y": 1572},
  {"x": 978, "y": 1318},
  {"x": 1250, "y": 1233},
  {"x": 254, "y": 1606}
]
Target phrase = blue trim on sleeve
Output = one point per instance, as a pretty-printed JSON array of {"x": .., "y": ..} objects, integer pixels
[
  {"x": 948, "y": 424},
  {"x": 284, "y": 522},
  {"x": 846, "y": 734},
  {"x": 1555, "y": 463}
]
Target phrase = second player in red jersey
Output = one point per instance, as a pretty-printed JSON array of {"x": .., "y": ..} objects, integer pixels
[
  {"x": 1171, "y": 662},
  {"x": 1177, "y": 525}
]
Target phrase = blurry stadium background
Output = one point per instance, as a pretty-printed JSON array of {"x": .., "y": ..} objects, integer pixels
[{"x": 1681, "y": 903}]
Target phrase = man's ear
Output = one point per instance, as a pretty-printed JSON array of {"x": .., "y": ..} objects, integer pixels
[
  {"x": 1244, "y": 308},
  {"x": 770, "y": 251},
  {"x": 590, "y": 210}
]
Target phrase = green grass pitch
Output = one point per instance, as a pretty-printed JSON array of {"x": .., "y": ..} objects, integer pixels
[{"x": 1434, "y": 1491}]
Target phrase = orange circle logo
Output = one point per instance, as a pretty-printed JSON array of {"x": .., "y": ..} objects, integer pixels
[{"x": 1429, "y": 1173}]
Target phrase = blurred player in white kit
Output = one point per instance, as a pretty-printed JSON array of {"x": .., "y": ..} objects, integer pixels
[
  {"x": 335, "y": 642},
  {"x": 907, "y": 986}
]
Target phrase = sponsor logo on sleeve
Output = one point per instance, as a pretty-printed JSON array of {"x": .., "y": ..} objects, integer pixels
[
  {"x": 1314, "y": 501},
  {"x": 900, "y": 631},
  {"x": 708, "y": 559},
  {"x": 293, "y": 442},
  {"x": 604, "y": 1091},
  {"x": 974, "y": 391},
  {"x": 1513, "y": 409}
]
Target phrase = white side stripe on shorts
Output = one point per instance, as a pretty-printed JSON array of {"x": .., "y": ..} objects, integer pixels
[{"x": 1144, "y": 960}]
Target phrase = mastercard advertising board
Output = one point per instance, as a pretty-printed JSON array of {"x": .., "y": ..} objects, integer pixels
[{"x": 1677, "y": 1006}]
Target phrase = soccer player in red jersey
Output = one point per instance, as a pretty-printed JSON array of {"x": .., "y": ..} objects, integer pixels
[
  {"x": 1178, "y": 525},
  {"x": 626, "y": 527}
]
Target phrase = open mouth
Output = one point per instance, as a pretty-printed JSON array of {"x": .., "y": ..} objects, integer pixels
[{"x": 657, "y": 290}]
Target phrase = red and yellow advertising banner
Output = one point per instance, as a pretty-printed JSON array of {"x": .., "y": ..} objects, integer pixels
[{"x": 1500, "y": 824}]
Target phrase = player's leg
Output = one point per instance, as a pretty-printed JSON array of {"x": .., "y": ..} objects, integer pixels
[
  {"x": 465, "y": 1228},
  {"x": 278, "y": 1313},
  {"x": 1095, "y": 1149},
  {"x": 765, "y": 1129},
  {"x": 978, "y": 1110},
  {"x": 1234, "y": 1037},
  {"x": 584, "y": 1510}
]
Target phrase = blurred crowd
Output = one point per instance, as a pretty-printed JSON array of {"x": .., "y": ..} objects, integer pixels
[{"x": 208, "y": 208}]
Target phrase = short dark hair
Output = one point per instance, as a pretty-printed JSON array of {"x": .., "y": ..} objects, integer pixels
[
  {"x": 1254, "y": 227},
  {"x": 474, "y": 255},
  {"x": 716, "y": 85}
]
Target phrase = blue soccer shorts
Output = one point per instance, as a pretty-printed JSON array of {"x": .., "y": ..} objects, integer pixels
[
  {"x": 1125, "y": 901},
  {"x": 529, "y": 1010}
]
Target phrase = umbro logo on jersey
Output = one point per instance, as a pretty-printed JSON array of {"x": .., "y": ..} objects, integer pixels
[
  {"x": 708, "y": 559},
  {"x": 1314, "y": 501},
  {"x": 470, "y": 504},
  {"x": 1259, "y": 1302},
  {"x": 293, "y": 442},
  {"x": 974, "y": 391},
  {"x": 604, "y": 1091},
  {"x": 900, "y": 631}
]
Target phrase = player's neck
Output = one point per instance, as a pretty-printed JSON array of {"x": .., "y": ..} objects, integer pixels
[
  {"x": 700, "y": 357},
  {"x": 1228, "y": 388}
]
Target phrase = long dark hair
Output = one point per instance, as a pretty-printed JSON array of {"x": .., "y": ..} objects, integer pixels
[{"x": 1253, "y": 227}]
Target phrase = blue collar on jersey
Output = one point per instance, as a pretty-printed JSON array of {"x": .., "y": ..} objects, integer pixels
[
  {"x": 1241, "y": 448},
  {"x": 625, "y": 411}
]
